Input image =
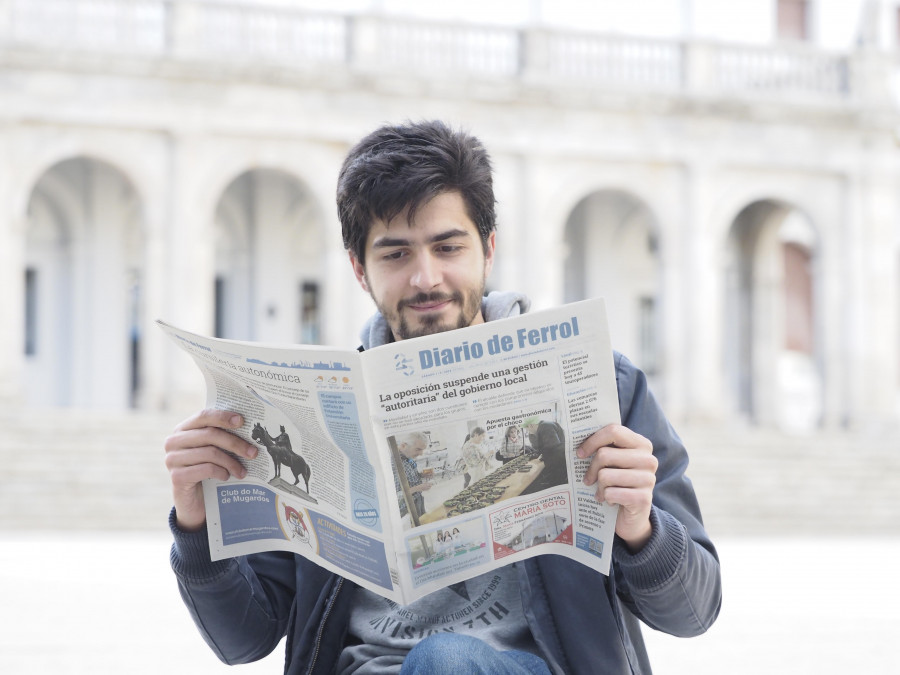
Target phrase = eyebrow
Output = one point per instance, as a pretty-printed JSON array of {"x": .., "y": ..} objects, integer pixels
[{"x": 390, "y": 242}]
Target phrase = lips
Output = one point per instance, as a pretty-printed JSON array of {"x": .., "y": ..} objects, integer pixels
[
  {"x": 429, "y": 302},
  {"x": 433, "y": 307}
]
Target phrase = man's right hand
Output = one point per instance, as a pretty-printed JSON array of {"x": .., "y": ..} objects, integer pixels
[{"x": 196, "y": 450}]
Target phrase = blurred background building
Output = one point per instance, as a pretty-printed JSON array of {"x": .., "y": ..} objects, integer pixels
[{"x": 724, "y": 173}]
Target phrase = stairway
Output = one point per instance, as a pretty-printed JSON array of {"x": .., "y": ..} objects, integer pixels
[
  {"x": 69, "y": 470},
  {"x": 761, "y": 482},
  {"x": 77, "y": 470}
]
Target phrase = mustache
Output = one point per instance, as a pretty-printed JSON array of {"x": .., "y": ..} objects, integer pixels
[{"x": 430, "y": 298}]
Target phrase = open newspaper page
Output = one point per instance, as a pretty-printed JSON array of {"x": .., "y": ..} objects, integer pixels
[
  {"x": 316, "y": 488},
  {"x": 481, "y": 426}
]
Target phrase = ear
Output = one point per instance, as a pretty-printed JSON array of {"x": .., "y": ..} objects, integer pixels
[
  {"x": 489, "y": 254},
  {"x": 359, "y": 271}
]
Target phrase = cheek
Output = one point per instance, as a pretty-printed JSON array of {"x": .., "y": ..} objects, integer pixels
[{"x": 383, "y": 288}]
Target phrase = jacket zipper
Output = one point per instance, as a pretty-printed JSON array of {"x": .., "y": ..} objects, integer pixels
[{"x": 315, "y": 655}]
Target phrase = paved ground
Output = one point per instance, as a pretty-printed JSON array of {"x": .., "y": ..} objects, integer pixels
[{"x": 106, "y": 603}]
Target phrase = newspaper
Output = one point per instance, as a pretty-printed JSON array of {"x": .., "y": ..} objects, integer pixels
[{"x": 420, "y": 463}]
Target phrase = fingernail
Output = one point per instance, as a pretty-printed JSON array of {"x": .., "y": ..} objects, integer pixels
[
  {"x": 251, "y": 452},
  {"x": 236, "y": 421}
]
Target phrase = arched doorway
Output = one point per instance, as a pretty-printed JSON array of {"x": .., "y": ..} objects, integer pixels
[
  {"x": 269, "y": 260},
  {"x": 771, "y": 352},
  {"x": 83, "y": 271},
  {"x": 612, "y": 252}
]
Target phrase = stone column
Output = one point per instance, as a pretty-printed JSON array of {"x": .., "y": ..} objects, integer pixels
[
  {"x": 700, "y": 323},
  {"x": 188, "y": 270},
  {"x": 541, "y": 238},
  {"x": 344, "y": 304},
  {"x": 12, "y": 265},
  {"x": 509, "y": 269},
  {"x": 6, "y": 27},
  {"x": 875, "y": 377},
  {"x": 676, "y": 227},
  {"x": 158, "y": 208},
  {"x": 837, "y": 273}
]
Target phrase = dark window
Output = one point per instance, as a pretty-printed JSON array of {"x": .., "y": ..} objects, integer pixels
[
  {"x": 793, "y": 20},
  {"x": 647, "y": 333},
  {"x": 310, "y": 322},
  {"x": 219, "y": 311},
  {"x": 798, "y": 299},
  {"x": 31, "y": 299}
]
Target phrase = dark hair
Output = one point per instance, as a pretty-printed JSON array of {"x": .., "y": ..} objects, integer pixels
[{"x": 405, "y": 166}]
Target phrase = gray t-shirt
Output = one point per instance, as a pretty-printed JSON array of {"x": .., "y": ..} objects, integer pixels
[{"x": 381, "y": 632}]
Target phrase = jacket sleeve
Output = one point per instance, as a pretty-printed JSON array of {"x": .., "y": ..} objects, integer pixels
[
  {"x": 240, "y": 605},
  {"x": 673, "y": 583}
]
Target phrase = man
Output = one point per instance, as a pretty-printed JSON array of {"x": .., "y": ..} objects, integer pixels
[
  {"x": 548, "y": 440},
  {"x": 283, "y": 439},
  {"x": 411, "y": 446},
  {"x": 416, "y": 206},
  {"x": 474, "y": 457}
]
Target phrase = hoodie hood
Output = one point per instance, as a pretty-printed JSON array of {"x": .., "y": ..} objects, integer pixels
[{"x": 495, "y": 305}]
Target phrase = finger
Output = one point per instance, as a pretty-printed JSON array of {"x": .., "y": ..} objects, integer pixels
[
  {"x": 212, "y": 417},
  {"x": 635, "y": 459},
  {"x": 625, "y": 479},
  {"x": 633, "y": 501},
  {"x": 186, "y": 477},
  {"x": 207, "y": 455},
  {"x": 612, "y": 435},
  {"x": 208, "y": 435}
]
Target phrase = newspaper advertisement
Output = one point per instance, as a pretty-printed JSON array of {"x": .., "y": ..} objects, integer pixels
[{"x": 420, "y": 463}]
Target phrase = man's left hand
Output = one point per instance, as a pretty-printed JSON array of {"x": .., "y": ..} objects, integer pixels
[{"x": 624, "y": 470}]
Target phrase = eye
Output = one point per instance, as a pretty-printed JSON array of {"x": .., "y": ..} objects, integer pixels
[
  {"x": 449, "y": 249},
  {"x": 393, "y": 255}
]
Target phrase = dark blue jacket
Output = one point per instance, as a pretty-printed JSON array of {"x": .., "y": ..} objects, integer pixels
[{"x": 583, "y": 622}]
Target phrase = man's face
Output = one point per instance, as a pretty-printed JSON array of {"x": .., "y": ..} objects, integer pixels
[
  {"x": 428, "y": 276},
  {"x": 412, "y": 450}
]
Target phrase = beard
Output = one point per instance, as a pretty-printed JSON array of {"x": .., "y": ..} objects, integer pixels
[{"x": 468, "y": 305}]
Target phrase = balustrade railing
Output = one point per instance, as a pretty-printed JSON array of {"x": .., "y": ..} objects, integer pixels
[
  {"x": 135, "y": 25},
  {"x": 626, "y": 61},
  {"x": 783, "y": 71},
  {"x": 435, "y": 47},
  {"x": 222, "y": 31},
  {"x": 273, "y": 34}
]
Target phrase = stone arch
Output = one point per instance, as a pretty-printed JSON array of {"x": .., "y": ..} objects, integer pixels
[
  {"x": 612, "y": 251},
  {"x": 119, "y": 157},
  {"x": 773, "y": 350},
  {"x": 83, "y": 273},
  {"x": 269, "y": 262}
]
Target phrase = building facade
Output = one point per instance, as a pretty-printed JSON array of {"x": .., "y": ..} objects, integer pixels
[{"x": 736, "y": 205}]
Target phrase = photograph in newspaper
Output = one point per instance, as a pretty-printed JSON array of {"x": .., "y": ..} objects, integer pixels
[
  {"x": 434, "y": 554},
  {"x": 464, "y": 465},
  {"x": 529, "y": 524}
]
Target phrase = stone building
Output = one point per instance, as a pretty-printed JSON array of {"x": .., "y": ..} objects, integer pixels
[{"x": 736, "y": 204}]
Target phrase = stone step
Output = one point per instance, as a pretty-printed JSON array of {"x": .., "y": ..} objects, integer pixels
[
  {"x": 92, "y": 471},
  {"x": 84, "y": 471},
  {"x": 760, "y": 482}
]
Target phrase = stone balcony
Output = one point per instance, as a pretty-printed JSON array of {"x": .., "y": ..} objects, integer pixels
[{"x": 277, "y": 43}]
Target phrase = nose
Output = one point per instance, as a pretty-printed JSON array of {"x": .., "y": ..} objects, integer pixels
[{"x": 426, "y": 273}]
